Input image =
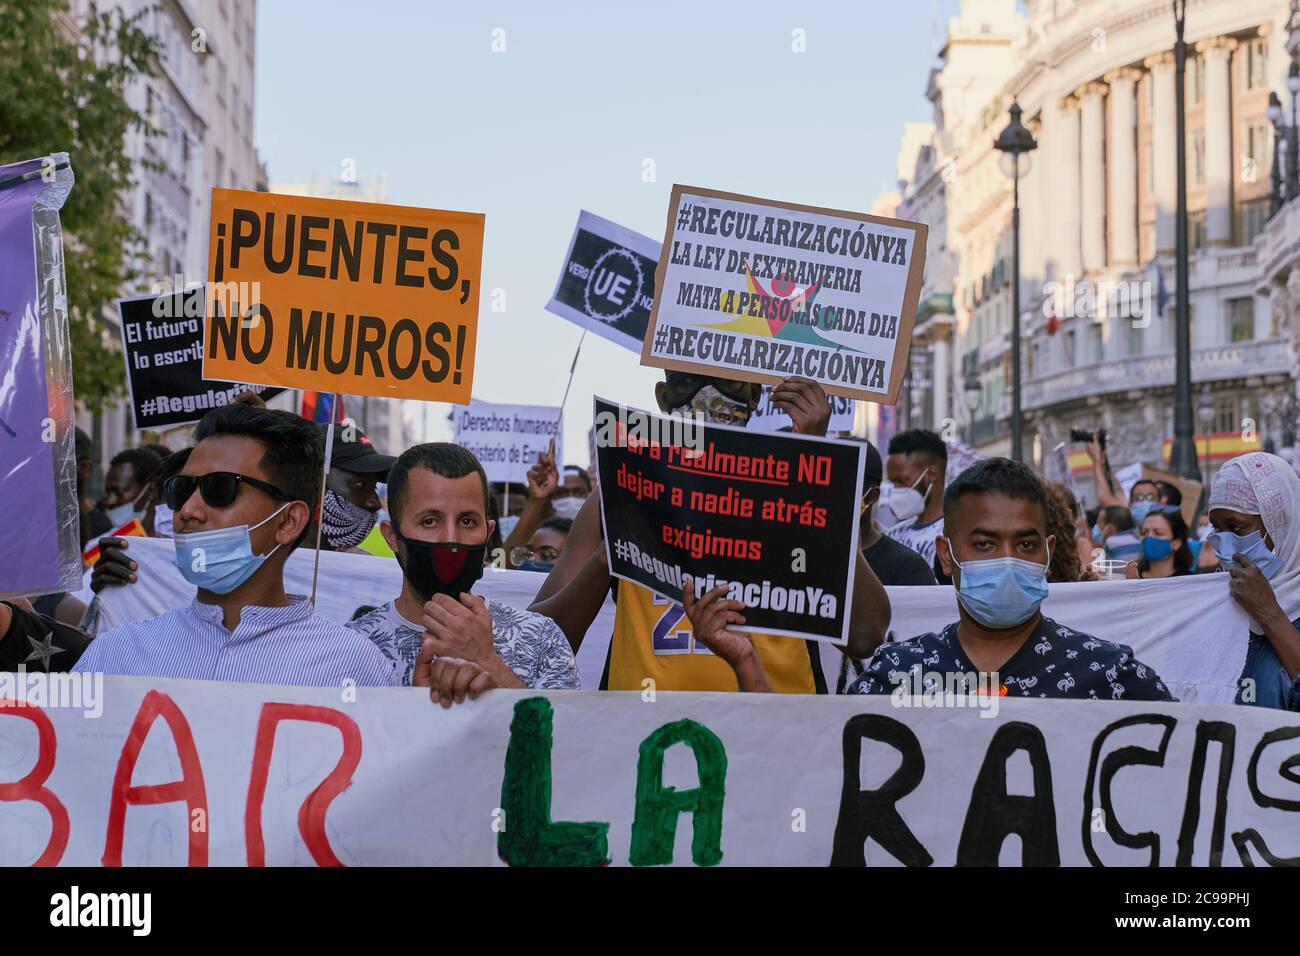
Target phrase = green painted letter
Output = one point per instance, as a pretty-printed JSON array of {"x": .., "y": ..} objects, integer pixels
[
  {"x": 529, "y": 837},
  {"x": 657, "y": 807}
]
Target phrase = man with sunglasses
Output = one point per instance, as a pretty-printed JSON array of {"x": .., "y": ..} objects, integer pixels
[
  {"x": 241, "y": 505},
  {"x": 436, "y": 632},
  {"x": 652, "y": 637}
]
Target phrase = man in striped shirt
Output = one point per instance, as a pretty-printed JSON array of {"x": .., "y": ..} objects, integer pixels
[{"x": 241, "y": 506}]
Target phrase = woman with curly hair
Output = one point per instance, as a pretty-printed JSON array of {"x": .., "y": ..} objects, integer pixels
[{"x": 1066, "y": 563}]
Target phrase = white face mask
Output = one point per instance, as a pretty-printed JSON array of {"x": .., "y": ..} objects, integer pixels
[
  {"x": 568, "y": 507},
  {"x": 906, "y": 503},
  {"x": 162, "y": 520}
]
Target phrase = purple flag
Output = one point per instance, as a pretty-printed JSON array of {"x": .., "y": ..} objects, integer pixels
[{"x": 40, "y": 547}]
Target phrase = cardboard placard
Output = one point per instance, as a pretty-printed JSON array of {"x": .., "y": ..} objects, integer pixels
[
  {"x": 339, "y": 296},
  {"x": 759, "y": 290},
  {"x": 162, "y": 345},
  {"x": 608, "y": 281},
  {"x": 507, "y": 439},
  {"x": 774, "y": 515}
]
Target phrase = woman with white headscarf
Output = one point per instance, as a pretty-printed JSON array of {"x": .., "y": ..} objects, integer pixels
[{"x": 1255, "y": 510}]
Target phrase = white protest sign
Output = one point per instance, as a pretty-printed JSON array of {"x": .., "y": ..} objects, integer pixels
[
  {"x": 176, "y": 772},
  {"x": 759, "y": 290},
  {"x": 508, "y": 438},
  {"x": 768, "y": 418}
]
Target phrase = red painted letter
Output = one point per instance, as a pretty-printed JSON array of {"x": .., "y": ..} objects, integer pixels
[
  {"x": 32, "y": 786},
  {"x": 311, "y": 816},
  {"x": 189, "y": 788}
]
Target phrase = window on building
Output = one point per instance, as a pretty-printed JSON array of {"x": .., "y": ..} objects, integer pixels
[
  {"x": 1198, "y": 158},
  {"x": 1259, "y": 139},
  {"x": 1225, "y": 414},
  {"x": 1067, "y": 342},
  {"x": 1241, "y": 319},
  {"x": 1252, "y": 216},
  {"x": 1094, "y": 344},
  {"x": 221, "y": 81},
  {"x": 1256, "y": 63},
  {"x": 1196, "y": 229},
  {"x": 234, "y": 105},
  {"x": 1135, "y": 338},
  {"x": 1195, "y": 80}
]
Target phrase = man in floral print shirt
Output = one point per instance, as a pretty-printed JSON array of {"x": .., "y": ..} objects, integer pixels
[
  {"x": 996, "y": 550},
  {"x": 437, "y": 628}
]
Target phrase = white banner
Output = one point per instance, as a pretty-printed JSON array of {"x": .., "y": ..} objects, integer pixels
[
  {"x": 768, "y": 418},
  {"x": 1187, "y": 629},
  {"x": 176, "y": 772},
  {"x": 508, "y": 438}
]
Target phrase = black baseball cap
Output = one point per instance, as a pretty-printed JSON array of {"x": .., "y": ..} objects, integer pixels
[{"x": 357, "y": 455}]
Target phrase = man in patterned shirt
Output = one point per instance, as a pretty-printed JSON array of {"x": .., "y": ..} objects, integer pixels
[
  {"x": 996, "y": 551},
  {"x": 437, "y": 499}
]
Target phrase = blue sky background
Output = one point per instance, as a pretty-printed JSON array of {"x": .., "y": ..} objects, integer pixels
[{"x": 563, "y": 120}]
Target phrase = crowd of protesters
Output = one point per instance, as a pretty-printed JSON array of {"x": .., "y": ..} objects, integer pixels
[{"x": 248, "y": 491}]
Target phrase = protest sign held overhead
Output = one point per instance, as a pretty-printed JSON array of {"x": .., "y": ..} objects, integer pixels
[
  {"x": 759, "y": 290},
  {"x": 506, "y": 439},
  {"x": 608, "y": 281},
  {"x": 162, "y": 343},
  {"x": 340, "y": 296},
  {"x": 768, "y": 418},
  {"x": 774, "y": 516}
]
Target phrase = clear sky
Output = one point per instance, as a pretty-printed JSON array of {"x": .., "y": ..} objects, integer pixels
[{"x": 712, "y": 92}]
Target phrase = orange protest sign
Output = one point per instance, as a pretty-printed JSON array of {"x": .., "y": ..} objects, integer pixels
[{"x": 331, "y": 295}]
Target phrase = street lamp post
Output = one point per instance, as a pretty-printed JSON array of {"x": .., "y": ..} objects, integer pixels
[
  {"x": 1182, "y": 458},
  {"x": 1015, "y": 144}
]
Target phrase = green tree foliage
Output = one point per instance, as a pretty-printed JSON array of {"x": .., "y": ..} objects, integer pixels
[{"x": 62, "y": 88}]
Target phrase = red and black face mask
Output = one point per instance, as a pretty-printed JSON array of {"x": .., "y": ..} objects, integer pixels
[{"x": 440, "y": 567}]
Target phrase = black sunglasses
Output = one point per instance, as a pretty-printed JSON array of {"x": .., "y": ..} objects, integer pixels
[
  {"x": 218, "y": 488},
  {"x": 685, "y": 386}
]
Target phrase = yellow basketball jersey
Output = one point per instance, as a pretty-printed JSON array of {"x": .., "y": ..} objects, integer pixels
[{"x": 652, "y": 638}]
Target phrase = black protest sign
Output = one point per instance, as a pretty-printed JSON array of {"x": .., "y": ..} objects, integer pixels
[
  {"x": 162, "y": 342},
  {"x": 608, "y": 280},
  {"x": 774, "y": 516}
]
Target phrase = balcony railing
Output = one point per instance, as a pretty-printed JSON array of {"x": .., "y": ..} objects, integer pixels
[{"x": 1155, "y": 371}]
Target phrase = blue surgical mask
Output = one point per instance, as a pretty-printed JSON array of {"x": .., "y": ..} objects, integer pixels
[
  {"x": 1226, "y": 544},
  {"x": 1096, "y": 534},
  {"x": 1139, "y": 510},
  {"x": 120, "y": 515},
  {"x": 531, "y": 565},
  {"x": 1002, "y": 592},
  {"x": 1156, "y": 549},
  {"x": 222, "y": 559}
]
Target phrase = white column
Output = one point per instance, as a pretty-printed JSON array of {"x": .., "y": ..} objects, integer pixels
[
  {"x": 1122, "y": 167},
  {"x": 1217, "y": 54},
  {"x": 1092, "y": 165},
  {"x": 1164, "y": 144},
  {"x": 1066, "y": 178}
]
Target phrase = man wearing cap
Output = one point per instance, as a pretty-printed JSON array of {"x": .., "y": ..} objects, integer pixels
[{"x": 351, "y": 503}]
